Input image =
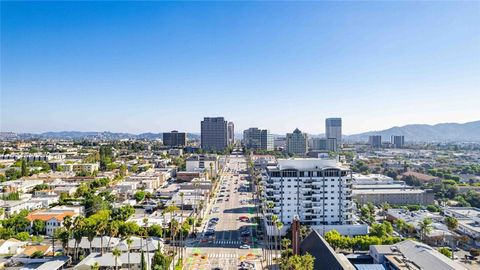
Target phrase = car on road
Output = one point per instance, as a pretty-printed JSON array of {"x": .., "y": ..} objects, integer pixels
[
  {"x": 215, "y": 219},
  {"x": 245, "y": 233},
  {"x": 244, "y": 247},
  {"x": 209, "y": 232}
]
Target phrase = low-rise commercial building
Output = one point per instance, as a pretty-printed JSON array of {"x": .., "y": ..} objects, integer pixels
[
  {"x": 468, "y": 220},
  {"x": 203, "y": 163},
  {"x": 400, "y": 195},
  {"x": 413, "y": 255}
]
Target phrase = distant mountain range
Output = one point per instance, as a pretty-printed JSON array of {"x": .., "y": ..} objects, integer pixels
[
  {"x": 446, "y": 132},
  {"x": 78, "y": 135}
]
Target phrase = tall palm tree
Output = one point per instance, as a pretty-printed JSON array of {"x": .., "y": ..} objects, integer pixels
[
  {"x": 145, "y": 224},
  {"x": 78, "y": 231},
  {"x": 279, "y": 226},
  {"x": 116, "y": 253},
  {"x": 129, "y": 242},
  {"x": 270, "y": 206},
  {"x": 64, "y": 236},
  {"x": 113, "y": 228},
  {"x": 425, "y": 226},
  {"x": 273, "y": 250},
  {"x": 101, "y": 228},
  {"x": 90, "y": 232},
  {"x": 385, "y": 206},
  {"x": 68, "y": 223},
  {"x": 181, "y": 225}
]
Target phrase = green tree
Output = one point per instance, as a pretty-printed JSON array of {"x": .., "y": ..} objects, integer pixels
[
  {"x": 22, "y": 236},
  {"x": 38, "y": 226},
  {"x": 116, "y": 253},
  {"x": 95, "y": 266},
  {"x": 446, "y": 251},
  {"x": 129, "y": 242},
  {"x": 24, "y": 170},
  {"x": 139, "y": 195},
  {"x": 160, "y": 261},
  {"x": 425, "y": 227},
  {"x": 451, "y": 222}
]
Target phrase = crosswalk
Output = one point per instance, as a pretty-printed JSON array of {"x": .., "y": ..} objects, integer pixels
[
  {"x": 222, "y": 255},
  {"x": 227, "y": 242}
]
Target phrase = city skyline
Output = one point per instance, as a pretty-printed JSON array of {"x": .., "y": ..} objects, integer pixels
[{"x": 155, "y": 67}]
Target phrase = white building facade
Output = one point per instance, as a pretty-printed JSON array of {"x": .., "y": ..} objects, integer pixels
[{"x": 318, "y": 191}]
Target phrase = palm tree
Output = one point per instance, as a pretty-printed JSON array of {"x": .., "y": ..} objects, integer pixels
[
  {"x": 385, "y": 206},
  {"x": 273, "y": 251},
  {"x": 211, "y": 170},
  {"x": 64, "y": 236},
  {"x": 181, "y": 224},
  {"x": 145, "y": 224},
  {"x": 90, "y": 232},
  {"x": 279, "y": 226},
  {"x": 285, "y": 244},
  {"x": 425, "y": 227},
  {"x": 129, "y": 242},
  {"x": 270, "y": 206},
  {"x": 409, "y": 228},
  {"x": 113, "y": 228},
  {"x": 100, "y": 230},
  {"x": 116, "y": 253},
  {"x": 78, "y": 230},
  {"x": 67, "y": 223}
]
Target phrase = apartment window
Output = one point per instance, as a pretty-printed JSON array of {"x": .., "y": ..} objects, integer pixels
[
  {"x": 302, "y": 174},
  {"x": 310, "y": 174}
]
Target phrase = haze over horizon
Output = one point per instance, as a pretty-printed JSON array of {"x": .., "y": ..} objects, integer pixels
[{"x": 154, "y": 66}]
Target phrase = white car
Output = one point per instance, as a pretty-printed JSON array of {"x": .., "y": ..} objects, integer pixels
[{"x": 244, "y": 247}]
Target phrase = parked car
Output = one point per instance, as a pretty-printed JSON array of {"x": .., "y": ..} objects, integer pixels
[{"x": 244, "y": 247}]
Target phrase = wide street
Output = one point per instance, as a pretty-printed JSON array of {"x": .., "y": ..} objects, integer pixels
[{"x": 232, "y": 240}]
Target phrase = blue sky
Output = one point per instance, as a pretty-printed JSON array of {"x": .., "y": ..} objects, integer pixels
[{"x": 157, "y": 66}]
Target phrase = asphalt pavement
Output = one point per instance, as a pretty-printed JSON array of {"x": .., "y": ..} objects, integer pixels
[{"x": 232, "y": 205}]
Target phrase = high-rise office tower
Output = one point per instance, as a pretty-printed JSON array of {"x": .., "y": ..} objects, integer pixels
[
  {"x": 174, "y": 139},
  {"x": 333, "y": 130},
  {"x": 398, "y": 141},
  {"x": 297, "y": 143},
  {"x": 231, "y": 133},
  {"x": 375, "y": 141},
  {"x": 214, "y": 135},
  {"x": 254, "y": 138}
]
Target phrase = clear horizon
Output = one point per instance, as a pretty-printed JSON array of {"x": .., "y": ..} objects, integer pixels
[{"x": 139, "y": 67}]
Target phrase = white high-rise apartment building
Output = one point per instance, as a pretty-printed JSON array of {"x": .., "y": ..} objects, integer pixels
[{"x": 318, "y": 191}]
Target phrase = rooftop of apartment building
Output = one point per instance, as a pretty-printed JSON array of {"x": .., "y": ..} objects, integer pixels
[
  {"x": 308, "y": 164},
  {"x": 46, "y": 215},
  {"x": 406, "y": 190}
]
